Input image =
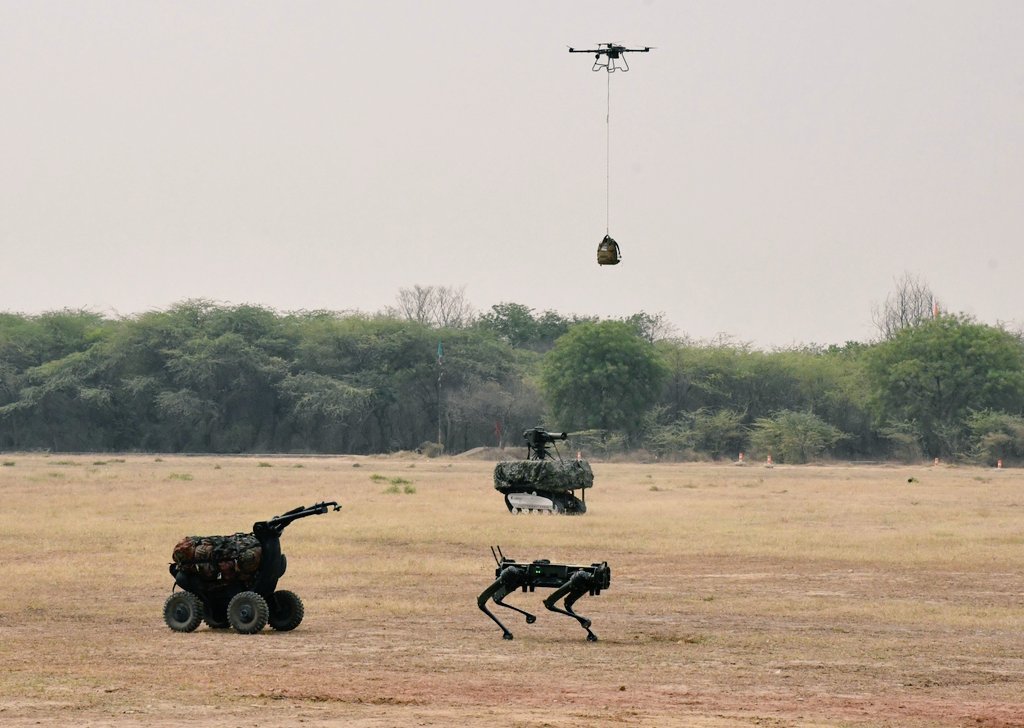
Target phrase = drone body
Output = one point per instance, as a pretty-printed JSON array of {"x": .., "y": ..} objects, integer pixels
[{"x": 610, "y": 56}]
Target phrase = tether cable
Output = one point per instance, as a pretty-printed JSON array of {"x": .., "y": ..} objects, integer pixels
[{"x": 608, "y": 159}]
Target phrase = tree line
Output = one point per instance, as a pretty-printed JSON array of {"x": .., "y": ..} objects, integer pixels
[{"x": 431, "y": 375}]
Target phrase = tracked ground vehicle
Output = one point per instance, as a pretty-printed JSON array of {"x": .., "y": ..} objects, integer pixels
[
  {"x": 231, "y": 581},
  {"x": 544, "y": 482}
]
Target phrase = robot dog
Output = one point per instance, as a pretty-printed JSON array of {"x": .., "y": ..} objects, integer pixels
[{"x": 569, "y": 581}]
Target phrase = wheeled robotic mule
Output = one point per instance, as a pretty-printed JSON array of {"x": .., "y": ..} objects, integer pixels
[{"x": 245, "y": 603}]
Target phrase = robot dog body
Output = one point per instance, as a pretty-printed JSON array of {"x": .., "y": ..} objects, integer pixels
[{"x": 569, "y": 581}]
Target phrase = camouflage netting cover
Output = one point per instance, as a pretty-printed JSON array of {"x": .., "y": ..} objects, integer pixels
[
  {"x": 548, "y": 475},
  {"x": 226, "y": 558}
]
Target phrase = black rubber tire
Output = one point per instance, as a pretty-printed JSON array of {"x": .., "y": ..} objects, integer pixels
[
  {"x": 248, "y": 612},
  {"x": 286, "y": 612},
  {"x": 183, "y": 611}
]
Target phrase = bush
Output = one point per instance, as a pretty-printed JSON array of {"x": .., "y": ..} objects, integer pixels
[
  {"x": 431, "y": 449},
  {"x": 712, "y": 433},
  {"x": 397, "y": 485},
  {"x": 996, "y": 436},
  {"x": 669, "y": 440},
  {"x": 719, "y": 433},
  {"x": 794, "y": 437},
  {"x": 601, "y": 443}
]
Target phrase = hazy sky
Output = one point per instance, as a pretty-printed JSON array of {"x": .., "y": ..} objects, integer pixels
[{"x": 775, "y": 165}]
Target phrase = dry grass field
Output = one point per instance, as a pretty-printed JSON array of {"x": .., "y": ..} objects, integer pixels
[{"x": 796, "y": 596}]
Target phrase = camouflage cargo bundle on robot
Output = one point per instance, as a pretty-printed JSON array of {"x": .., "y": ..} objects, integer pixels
[
  {"x": 220, "y": 558},
  {"x": 543, "y": 483}
]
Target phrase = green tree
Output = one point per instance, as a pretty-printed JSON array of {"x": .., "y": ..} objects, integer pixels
[
  {"x": 64, "y": 405},
  {"x": 322, "y": 408},
  {"x": 832, "y": 384},
  {"x": 653, "y": 327},
  {"x": 518, "y": 326},
  {"x": 935, "y": 373},
  {"x": 27, "y": 341},
  {"x": 602, "y": 376},
  {"x": 511, "y": 322}
]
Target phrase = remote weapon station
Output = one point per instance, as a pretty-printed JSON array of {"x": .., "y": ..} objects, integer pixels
[
  {"x": 568, "y": 581},
  {"x": 232, "y": 580},
  {"x": 541, "y": 483},
  {"x": 610, "y": 57}
]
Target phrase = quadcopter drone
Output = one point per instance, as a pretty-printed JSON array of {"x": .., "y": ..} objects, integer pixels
[{"x": 610, "y": 56}]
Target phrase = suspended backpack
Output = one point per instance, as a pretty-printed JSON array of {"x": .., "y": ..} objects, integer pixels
[{"x": 608, "y": 251}]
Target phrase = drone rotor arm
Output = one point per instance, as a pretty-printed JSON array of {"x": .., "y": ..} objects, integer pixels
[{"x": 611, "y": 49}]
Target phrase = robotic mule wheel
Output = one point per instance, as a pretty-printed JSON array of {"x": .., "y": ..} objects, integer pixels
[
  {"x": 248, "y": 612},
  {"x": 183, "y": 611}
]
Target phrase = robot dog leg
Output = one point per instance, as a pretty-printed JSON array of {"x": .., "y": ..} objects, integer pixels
[
  {"x": 509, "y": 579},
  {"x": 580, "y": 583}
]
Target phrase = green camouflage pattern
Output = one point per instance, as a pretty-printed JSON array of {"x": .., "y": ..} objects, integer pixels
[
  {"x": 513, "y": 476},
  {"x": 219, "y": 558}
]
